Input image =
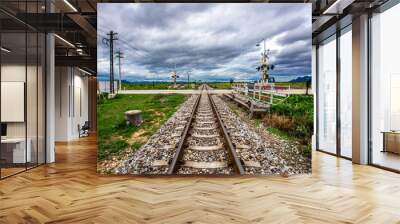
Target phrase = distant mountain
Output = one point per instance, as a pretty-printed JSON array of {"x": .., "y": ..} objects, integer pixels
[{"x": 301, "y": 79}]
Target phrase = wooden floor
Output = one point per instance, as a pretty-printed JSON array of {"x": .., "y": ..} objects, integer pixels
[
  {"x": 387, "y": 159},
  {"x": 70, "y": 191}
]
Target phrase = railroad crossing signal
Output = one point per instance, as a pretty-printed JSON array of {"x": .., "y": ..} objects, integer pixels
[
  {"x": 174, "y": 76},
  {"x": 264, "y": 64}
]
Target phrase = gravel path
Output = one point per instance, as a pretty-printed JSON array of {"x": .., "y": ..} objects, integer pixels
[
  {"x": 261, "y": 152},
  {"x": 276, "y": 156},
  {"x": 149, "y": 158}
]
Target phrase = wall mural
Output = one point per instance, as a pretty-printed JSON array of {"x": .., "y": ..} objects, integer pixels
[{"x": 204, "y": 89}]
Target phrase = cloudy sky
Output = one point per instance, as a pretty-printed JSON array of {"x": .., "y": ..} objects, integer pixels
[{"x": 211, "y": 41}]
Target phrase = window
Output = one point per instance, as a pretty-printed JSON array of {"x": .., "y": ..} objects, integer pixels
[
  {"x": 346, "y": 92},
  {"x": 327, "y": 95},
  {"x": 385, "y": 89}
]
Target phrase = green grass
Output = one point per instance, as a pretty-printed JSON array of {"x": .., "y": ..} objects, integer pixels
[
  {"x": 295, "y": 116},
  {"x": 220, "y": 85},
  {"x": 291, "y": 84},
  {"x": 150, "y": 85},
  {"x": 295, "y": 105},
  {"x": 114, "y": 136},
  {"x": 304, "y": 149},
  {"x": 280, "y": 133}
]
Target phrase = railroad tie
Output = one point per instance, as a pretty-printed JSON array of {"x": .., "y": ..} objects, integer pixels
[
  {"x": 160, "y": 163},
  {"x": 205, "y": 136},
  {"x": 252, "y": 163},
  {"x": 207, "y": 148},
  {"x": 206, "y": 165},
  {"x": 204, "y": 128},
  {"x": 242, "y": 146}
]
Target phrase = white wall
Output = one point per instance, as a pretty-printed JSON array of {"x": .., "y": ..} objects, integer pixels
[
  {"x": 71, "y": 102},
  {"x": 33, "y": 127},
  {"x": 61, "y": 103},
  {"x": 16, "y": 73}
]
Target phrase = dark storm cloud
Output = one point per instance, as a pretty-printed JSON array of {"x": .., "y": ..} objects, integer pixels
[{"x": 213, "y": 41}]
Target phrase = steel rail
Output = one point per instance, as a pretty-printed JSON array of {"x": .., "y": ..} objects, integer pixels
[
  {"x": 179, "y": 150},
  {"x": 231, "y": 150}
]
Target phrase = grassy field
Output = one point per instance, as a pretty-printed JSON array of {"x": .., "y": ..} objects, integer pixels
[
  {"x": 114, "y": 136},
  {"x": 219, "y": 85},
  {"x": 165, "y": 85},
  {"x": 294, "y": 117},
  {"x": 227, "y": 85},
  {"x": 183, "y": 85},
  {"x": 291, "y": 119},
  {"x": 291, "y": 84}
]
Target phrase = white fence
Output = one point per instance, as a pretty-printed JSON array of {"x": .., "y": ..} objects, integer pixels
[
  {"x": 265, "y": 93},
  {"x": 104, "y": 86}
]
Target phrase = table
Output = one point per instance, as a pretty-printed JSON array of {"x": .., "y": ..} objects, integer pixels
[
  {"x": 13, "y": 150},
  {"x": 391, "y": 141}
]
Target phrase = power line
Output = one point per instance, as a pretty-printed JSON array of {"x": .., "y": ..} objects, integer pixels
[
  {"x": 119, "y": 55},
  {"x": 110, "y": 42},
  {"x": 122, "y": 41}
]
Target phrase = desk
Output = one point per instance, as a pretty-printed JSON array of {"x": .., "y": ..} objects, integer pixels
[
  {"x": 13, "y": 150},
  {"x": 391, "y": 141}
]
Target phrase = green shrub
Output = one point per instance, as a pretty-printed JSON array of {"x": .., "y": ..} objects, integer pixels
[{"x": 294, "y": 115}]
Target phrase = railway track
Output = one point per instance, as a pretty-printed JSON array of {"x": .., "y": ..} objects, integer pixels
[
  {"x": 205, "y": 147},
  {"x": 204, "y": 137}
]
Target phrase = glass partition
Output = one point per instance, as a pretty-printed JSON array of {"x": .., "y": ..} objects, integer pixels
[
  {"x": 327, "y": 95},
  {"x": 13, "y": 95},
  {"x": 22, "y": 88}
]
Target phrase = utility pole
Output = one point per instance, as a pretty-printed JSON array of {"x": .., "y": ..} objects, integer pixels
[
  {"x": 188, "y": 75},
  {"x": 119, "y": 55},
  {"x": 154, "y": 79},
  {"x": 112, "y": 36}
]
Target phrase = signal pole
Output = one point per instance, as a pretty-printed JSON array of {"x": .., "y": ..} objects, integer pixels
[
  {"x": 174, "y": 77},
  {"x": 110, "y": 42},
  {"x": 119, "y": 55},
  {"x": 264, "y": 67}
]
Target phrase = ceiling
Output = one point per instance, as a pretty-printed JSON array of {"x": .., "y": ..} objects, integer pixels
[{"x": 75, "y": 21}]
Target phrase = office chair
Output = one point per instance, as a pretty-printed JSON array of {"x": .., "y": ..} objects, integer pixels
[{"x": 84, "y": 130}]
